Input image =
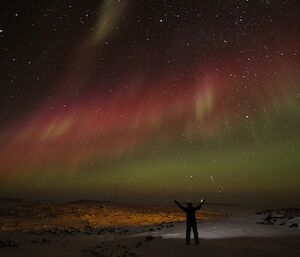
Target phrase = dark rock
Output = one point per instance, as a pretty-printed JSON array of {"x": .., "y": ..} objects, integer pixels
[
  {"x": 149, "y": 238},
  {"x": 112, "y": 230},
  {"x": 294, "y": 225},
  {"x": 2, "y": 243},
  {"x": 12, "y": 243}
]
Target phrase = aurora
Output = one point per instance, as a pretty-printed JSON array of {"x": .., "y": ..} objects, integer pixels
[{"x": 173, "y": 102}]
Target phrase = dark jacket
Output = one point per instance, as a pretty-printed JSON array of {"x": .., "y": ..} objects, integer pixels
[{"x": 190, "y": 212}]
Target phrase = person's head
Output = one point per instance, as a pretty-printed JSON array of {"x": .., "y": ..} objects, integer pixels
[{"x": 189, "y": 204}]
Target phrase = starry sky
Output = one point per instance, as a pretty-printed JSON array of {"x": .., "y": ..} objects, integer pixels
[{"x": 150, "y": 100}]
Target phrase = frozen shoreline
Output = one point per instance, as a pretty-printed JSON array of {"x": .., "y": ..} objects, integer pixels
[
  {"x": 234, "y": 233},
  {"x": 225, "y": 236}
]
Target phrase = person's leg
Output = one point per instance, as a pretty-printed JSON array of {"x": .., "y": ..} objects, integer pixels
[
  {"x": 188, "y": 233},
  {"x": 195, "y": 231}
]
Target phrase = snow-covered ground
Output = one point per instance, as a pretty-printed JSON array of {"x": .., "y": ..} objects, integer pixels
[
  {"x": 231, "y": 227},
  {"x": 234, "y": 235}
]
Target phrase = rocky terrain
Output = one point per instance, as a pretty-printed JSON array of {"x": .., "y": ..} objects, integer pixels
[
  {"x": 289, "y": 217},
  {"x": 104, "y": 229},
  {"x": 86, "y": 216}
]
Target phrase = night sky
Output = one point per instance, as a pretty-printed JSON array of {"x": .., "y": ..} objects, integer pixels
[{"x": 147, "y": 100}]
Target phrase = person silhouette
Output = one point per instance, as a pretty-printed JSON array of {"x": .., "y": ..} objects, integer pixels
[{"x": 191, "y": 222}]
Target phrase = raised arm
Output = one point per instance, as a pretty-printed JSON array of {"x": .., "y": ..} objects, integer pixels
[
  {"x": 179, "y": 205},
  {"x": 198, "y": 207}
]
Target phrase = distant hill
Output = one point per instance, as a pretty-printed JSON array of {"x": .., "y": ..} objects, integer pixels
[
  {"x": 85, "y": 201},
  {"x": 10, "y": 200}
]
